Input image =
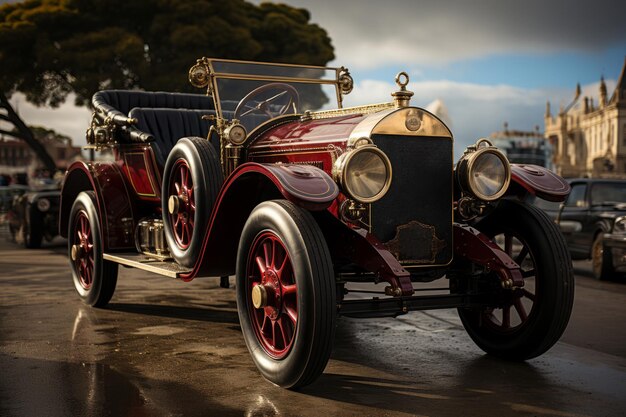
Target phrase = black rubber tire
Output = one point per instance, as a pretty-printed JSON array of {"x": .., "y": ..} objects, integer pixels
[
  {"x": 316, "y": 297},
  {"x": 33, "y": 227},
  {"x": 554, "y": 284},
  {"x": 104, "y": 272},
  {"x": 206, "y": 173},
  {"x": 601, "y": 259}
]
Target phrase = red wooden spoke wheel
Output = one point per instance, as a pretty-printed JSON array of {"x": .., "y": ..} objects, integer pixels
[
  {"x": 286, "y": 295},
  {"x": 515, "y": 310},
  {"x": 192, "y": 178},
  {"x": 524, "y": 322},
  {"x": 82, "y": 251},
  {"x": 182, "y": 218},
  {"x": 273, "y": 294},
  {"x": 94, "y": 278}
]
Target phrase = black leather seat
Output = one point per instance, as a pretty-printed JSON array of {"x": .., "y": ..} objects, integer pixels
[
  {"x": 169, "y": 125},
  {"x": 167, "y": 117},
  {"x": 122, "y": 102}
]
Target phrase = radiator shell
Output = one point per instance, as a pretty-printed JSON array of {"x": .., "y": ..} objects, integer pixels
[{"x": 414, "y": 219}]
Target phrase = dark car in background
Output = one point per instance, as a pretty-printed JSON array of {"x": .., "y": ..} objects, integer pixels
[
  {"x": 8, "y": 193},
  {"x": 34, "y": 214},
  {"x": 593, "y": 221}
]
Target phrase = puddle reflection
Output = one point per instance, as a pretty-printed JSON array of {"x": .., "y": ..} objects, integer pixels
[{"x": 47, "y": 388}]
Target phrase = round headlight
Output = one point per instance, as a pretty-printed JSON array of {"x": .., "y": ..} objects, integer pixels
[
  {"x": 620, "y": 225},
  {"x": 484, "y": 173},
  {"x": 236, "y": 134},
  {"x": 43, "y": 204},
  {"x": 364, "y": 173}
]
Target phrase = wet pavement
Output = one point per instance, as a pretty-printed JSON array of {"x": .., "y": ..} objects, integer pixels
[{"x": 168, "y": 348}]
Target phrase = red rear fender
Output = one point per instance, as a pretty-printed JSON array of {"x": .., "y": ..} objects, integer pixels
[{"x": 114, "y": 204}]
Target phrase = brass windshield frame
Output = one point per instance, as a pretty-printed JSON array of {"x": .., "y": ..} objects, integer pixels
[{"x": 214, "y": 76}]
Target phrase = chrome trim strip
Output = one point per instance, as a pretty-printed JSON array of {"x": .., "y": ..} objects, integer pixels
[{"x": 346, "y": 111}]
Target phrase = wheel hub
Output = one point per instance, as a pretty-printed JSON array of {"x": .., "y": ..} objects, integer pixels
[
  {"x": 259, "y": 296},
  {"x": 181, "y": 204},
  {"x": 267, "y": 294},
  {"x": 173, "y": 204},
  {"x": 184, "y": 197},
  {"x": 78, "y": 251},
  {"x": 272, "y": 294},
  {"x": 81, "y": 251}
]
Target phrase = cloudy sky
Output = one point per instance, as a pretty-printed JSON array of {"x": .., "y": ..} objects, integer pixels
[{"x": 488, "y": 61}]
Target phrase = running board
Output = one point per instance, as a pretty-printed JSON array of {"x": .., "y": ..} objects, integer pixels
[{"x": 137, "y": 260}]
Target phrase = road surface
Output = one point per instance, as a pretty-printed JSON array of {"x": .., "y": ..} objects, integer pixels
[{"x": 168, "y": 348}]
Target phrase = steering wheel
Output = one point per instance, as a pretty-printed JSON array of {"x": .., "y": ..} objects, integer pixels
[{"x": 245, "y": 106}]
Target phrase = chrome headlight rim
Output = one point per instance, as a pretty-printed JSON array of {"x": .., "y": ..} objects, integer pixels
[
  {"x": 468, "y": 165},
  {"x": 619, "y": 226},
  {"x": 236, "y": 134},
  {"x": 43, "y": 205},
  {"x": 341, "y": 170}
]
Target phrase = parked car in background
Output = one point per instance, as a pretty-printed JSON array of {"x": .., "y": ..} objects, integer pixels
[
  {"x": 593, "y": 224},
  {"x": 615, "y": 244},
  {"x": 256, "y": 179},
  {"x": 34, "y": 214},
  {"x": 8, "y": 194}
]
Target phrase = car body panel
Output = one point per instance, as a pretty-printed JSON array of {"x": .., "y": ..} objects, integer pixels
[{"x": 139, "y": 166}]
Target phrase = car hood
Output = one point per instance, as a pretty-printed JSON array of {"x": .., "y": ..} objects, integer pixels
[{"x": 344, "y": 127}]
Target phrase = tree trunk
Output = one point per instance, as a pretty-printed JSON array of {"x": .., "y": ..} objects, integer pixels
[{"x": 25, "y": 134}]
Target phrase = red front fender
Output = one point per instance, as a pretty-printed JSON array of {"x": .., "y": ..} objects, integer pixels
[
  {"x": 538, "y": 181},
  {"x": 304, "y": 185}
]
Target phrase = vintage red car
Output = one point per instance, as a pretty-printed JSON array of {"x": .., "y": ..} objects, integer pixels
[{"x": 254, "y": 180}]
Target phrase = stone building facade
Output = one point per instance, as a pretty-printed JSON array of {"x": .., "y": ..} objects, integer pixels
[
  {"x": 524, "y": 147},
  {"x": 589, "y": 140}
]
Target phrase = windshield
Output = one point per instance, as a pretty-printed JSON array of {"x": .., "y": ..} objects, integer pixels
[
  {"x": 254, "y": 92},
  {"x": 608, "y": 193}
]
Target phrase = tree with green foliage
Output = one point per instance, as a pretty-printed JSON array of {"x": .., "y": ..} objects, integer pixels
[{"x": 51, "y": 48}]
